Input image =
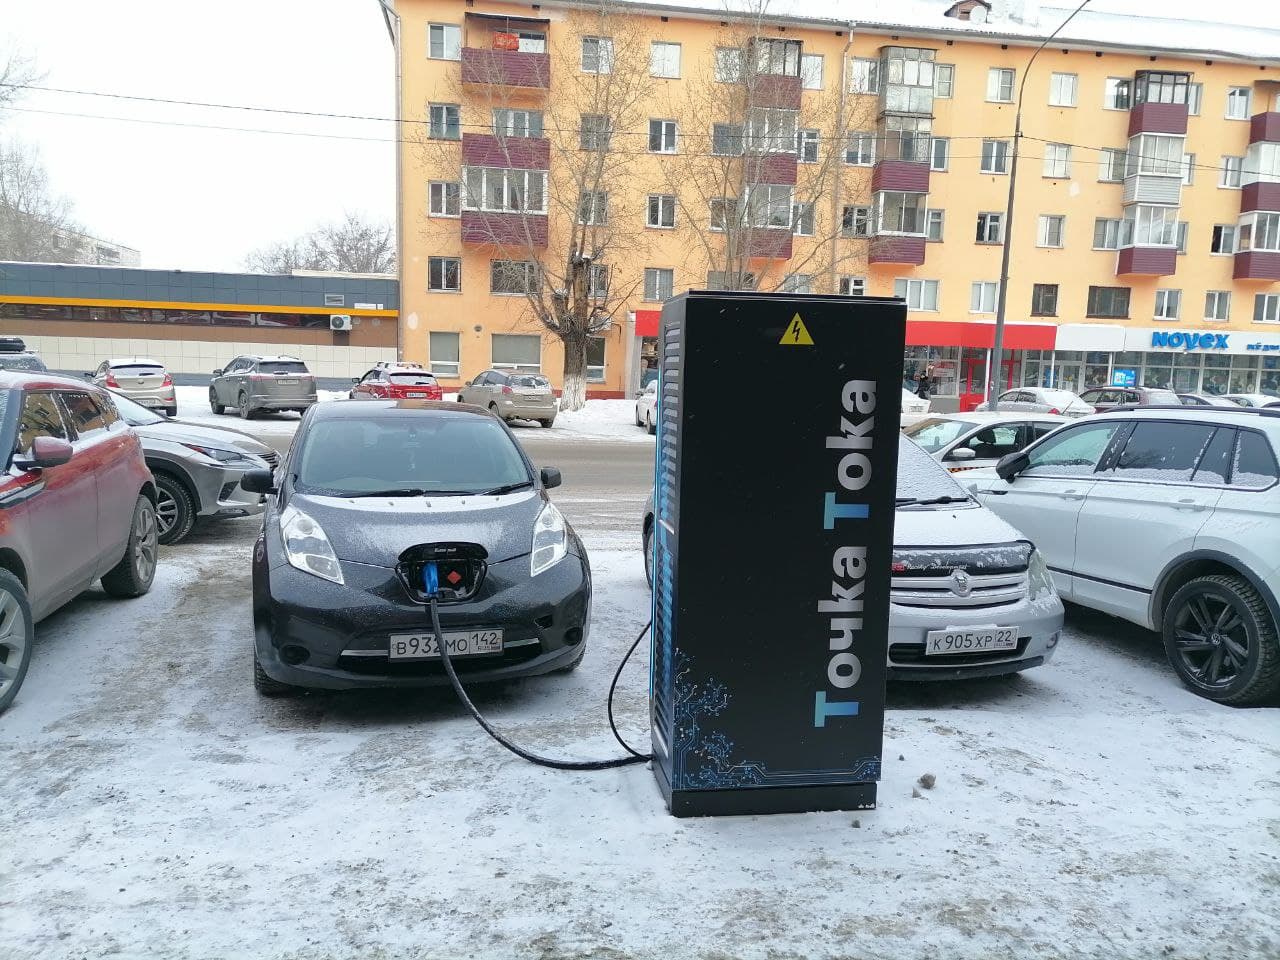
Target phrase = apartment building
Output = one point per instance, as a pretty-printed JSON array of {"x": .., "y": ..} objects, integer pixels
[{"x": 819, "y": 155}]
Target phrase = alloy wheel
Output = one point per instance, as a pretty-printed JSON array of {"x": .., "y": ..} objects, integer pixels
[
  {"x": 166, "y": 511},
  {"x": 1211, "y": 639},
  {"x": 13, "y": 639},
  {"x": 145, "y": 540}
]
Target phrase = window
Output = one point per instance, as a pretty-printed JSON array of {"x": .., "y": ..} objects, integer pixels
[
  {"x": 1239, "y": 100},
  {"x": 598, "y": 281},
  {"x": 445, "y": 198},
  {"x": 1266, "y": 308},
  {"x": 1057, "y": 160},
  {"x": 444, "y": 41},
  {"x": 1168, "y": 305},
  {"x": 944, "y": 80},
  {"x": 444, "y": 274},
  {"x": 595, "y": 132},
  {"x": 516, "y": 351},
  {"x": 811, "y": 71},
  {"x": 777, "y": 57},
  {"x": 1224, "y": 239},
  {"x": 40, "y": 417},
  {"x": 1051, "y": 230},
  {"x": 1111, "y": 165},
  {"x": 1195, "y": 94},
  {"x": 1255, "y": 464},
  {"x": 1044, "y": 300},
  {"x": 1259, "y": 231},
  {"x": 1217, "y": 457},
  {"x": 593, "y": 207},
  {"x": 658, "y": 283},
  {"x": 728, "y": 64},
  {"x": 940, "y": 154},
  {"x": 855, "y": 221},
  {"x": 513, "y": 276},
  {"x": 771, "y": 130},
  {"x": 1000, "y": 84},
  {"x": 853, "y": 286},
  {"x": 725, "y": 210},
  {"x": 769, "y": 205},
  {"x": 1145, "y": 225},
  {"x": 664, "y": 60},
  {"x": 1217, "y": 305},
  {"x": 919, "y": 294},
  {"x": 726, "y": 139},
  {"x": 1062, "y": 89},
  {"x": 597, "y": 55},
  {"x": 1106, "y": 234},
  {"x": 898, "y": 212},
  {"x": 861, "y": 151},
  {"x": 802, "y": 219},
  {"x": 1108, "y": 302},
  {"x": 504, "y": 191},
  {"x": 933, "y": 222},
  {"x": 517, "y": 123},
  {"x": 662, "y": 136},
  {"x": 531, "y": 41},
  {"x": 1182, "y": 236},
  {"x": 1229, "y": 173},
  {"x": 864, "y": 75},
  {"x": 1158, "y": 450},
  {"x": 445, "y": 121},
  {"x": 1072, "y": 452},
  {"x": 807, "y": 145},
  {"x": 661, "y": 211},
  {"x": 982, "y": 296},
  {"x": 1149, "y": 153},
  {"x": 990, "y": 228},
  {"x": 995, "y": 156},
  {"x": 1117, "y": 94},
  {"x": 444, "y": 356},
  {"x": 796, "y": 283},
  {"x": 730, "y": 280},
  {"x": 595, "y": 359},
  {"x": 1188, "y": 169}
]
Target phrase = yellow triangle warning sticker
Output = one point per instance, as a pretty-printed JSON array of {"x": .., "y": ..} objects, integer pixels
[{"x": 796, "y": 334}]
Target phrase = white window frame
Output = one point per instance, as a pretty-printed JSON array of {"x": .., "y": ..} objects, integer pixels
[
  {"x": 771, "y": 130},
  {"x": 811, "y": 71},
  {"x": 507, "y": 179},
  {"x": 896, "y": 203},
  {"x": 443, "y": 263},
  {"x": 999, "y": 150},
  {"x": 945, "y": 143},
  {"x": 593, "y": 133},
  {"x": 1229, "y": 172},
  {"x": 666, "y": 204},
  {"x": 601, "y": 55},
  {"x": 658, "y": 274},
  {"x": 596, "y": 203},
  {"x": 1057, "y": 161},
  {"x": 1045, "y": 230},
  {"x": 859, "y": 221},
  {"x": 596, "y": 371},
  {"x": 922, "y": 292},
  {"x": 1217, "y": 302},
  {"x": 941, "y": 71},
  {"x": 983, "y": 296},
  {"x": 517, "y": 367},
  {"x": 1168, "y": 305},
  {"x": 598, "y": 281},
  {"x": 728, "y": 64},
  {"x": 531, "y": 278},
  {"x": 804, "y": 140},
  {"x": 1149, "y": 225},
  {"x": 990, "y": 227},
  {"x": 444, "y": 125},
  {"x": 1264, "y": 304},
  {"x": 1195, "y": 98},
  {"x": 668, "y": 133},
  {"x": 504, "y": 122},
  {"x": 1258, "y": 230},
  {"x": 663, "y": 63},
  {"x": 737, "y": 143},
  {"x": 1063, "y": 89},
  {"x": 1155, "y": 154},
  {"x": 1117, "y": 93},
  {"x": 796, "y": 283},
  {"x": 851, "y": 286},
  {"x": 438, "y": 190},
  {"x": 934, "y": 218},
  {"x": 861, "y": 145},
  {"x": 864, "y": 75},
  {"x": 1114, "y": 161},
  {"x": 448, "y": 51},
  {"x": 1239, "y": 96},
  {"x": 445, "y": 368},
  {"x": 726, "y": 207},
  {"x": 769, "y": 205},
  {"x": 1111, "y": 233},
  {"x": 1188, "y": 169},
  {"x": 998, "y": 80},
  {"x": 803, "y": 215},
  {"x": 1226, "y": 231}
]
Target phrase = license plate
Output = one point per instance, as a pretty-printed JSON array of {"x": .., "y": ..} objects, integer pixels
[
  {"x": 416, "y": 396},
  {"x": 982, "y": 640},
  {"x": 287, "y": 383},
  {"x": 464, "y": 643}
]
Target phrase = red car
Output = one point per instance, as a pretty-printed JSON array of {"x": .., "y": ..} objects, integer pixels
[
  {"x": 396, "y": 383},
  {"x": 77, "y": 503}
]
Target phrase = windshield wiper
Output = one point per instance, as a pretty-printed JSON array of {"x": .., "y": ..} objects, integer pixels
[
  {"x": 403, "y": 492},
  {"x": 507, "y": 488},
  {"x": 917, "y": 502}
]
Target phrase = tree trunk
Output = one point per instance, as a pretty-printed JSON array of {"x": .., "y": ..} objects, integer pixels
[{"x": 574, "y": 394}]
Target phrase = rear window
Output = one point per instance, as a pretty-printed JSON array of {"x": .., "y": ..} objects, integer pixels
[
  {"x": 137, "y": 369},
  {"x": 1163, "y": 397},
  {"x": 528, "y": 380},
  {"x": 282, "y": 366},
  {"x": 417, "y": 379},
  {"x": 1157, "y": 450},
  {"x": 21, "y": 362},
  {"x": 1255, "y": 464}
]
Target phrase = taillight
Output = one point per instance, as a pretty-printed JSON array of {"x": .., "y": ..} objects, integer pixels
[
  {"x": 168, "y": 381},
  {"x": 507, "y": 390},
  {"x": 435, "y": 393},
  {"x": 111, "y": 380},
  {"x": 1054, "y": 411}
]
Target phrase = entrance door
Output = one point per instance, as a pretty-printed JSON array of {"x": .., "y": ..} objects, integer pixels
[{"x": 973, "y": 374}]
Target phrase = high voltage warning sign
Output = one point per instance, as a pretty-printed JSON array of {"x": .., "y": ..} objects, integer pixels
[{"x": 796, "y": 334}]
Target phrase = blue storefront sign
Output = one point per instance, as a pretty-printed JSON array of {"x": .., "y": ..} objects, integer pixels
[{"x": 1189, "y": 340}]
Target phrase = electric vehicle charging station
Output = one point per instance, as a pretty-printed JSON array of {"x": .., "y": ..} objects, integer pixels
[{"x": 773, "y": 537}]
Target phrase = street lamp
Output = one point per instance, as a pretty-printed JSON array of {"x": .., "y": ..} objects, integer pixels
[{"x": 997, "y": 348}]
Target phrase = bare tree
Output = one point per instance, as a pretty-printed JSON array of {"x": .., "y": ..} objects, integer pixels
[
  {"x": 16, "y": 71},
  {"x": 35, "y": 224},
  {"x": 350, "y": 245}
]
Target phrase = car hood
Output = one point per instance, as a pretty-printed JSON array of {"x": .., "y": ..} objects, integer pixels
[
  {"x": 180, "y": 431},
  {"x": 944, "y": 526},
  {"x": 377, "y": 530}
]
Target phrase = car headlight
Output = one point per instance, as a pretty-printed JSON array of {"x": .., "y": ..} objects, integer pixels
[
  {"x": 307, "y": 547},
  {"x": 1038, "y": 577},
  {"x": 550, "y": 540},
  {"x": 223, "y": 455}
]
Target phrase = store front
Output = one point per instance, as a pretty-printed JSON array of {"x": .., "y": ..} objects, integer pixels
[
  {"x": 645, "y": 359},
  {"x": 957, "y": 357}
]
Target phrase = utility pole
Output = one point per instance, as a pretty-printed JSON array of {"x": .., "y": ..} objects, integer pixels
[
  {"x": 997, "y": 348},
  {"x": 392, "y": 20}
]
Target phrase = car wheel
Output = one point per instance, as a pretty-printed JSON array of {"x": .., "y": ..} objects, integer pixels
[
  {"x": 493, "y": 408},
  {"x": 649, "y": 428},
  {"x": 548, "y": 423},
  {"x": 246, "y": 412},
  {"x": 268, "y": 687},
  {"x": 17, "y": 636},
  {"x": 175, "y": 511},
  {"x": 648, "y": 553},
  {"x": 214, "y": 405},
  {"x": 132, "y": 576},
  {"x": 171, "y": 412},
  {"x": 1221, "y": 640}
]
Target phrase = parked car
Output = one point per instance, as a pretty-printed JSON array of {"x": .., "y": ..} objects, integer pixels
[
  {"x": 1250, "y": 399},
  {"x": 366, "y": 487},
  {"x": 912, "y": 404},
  {"x": 252, "y": 384},
  {"x": 138, "y": 379},
  {"x": 1204, "y": 400},
  {"x": 1166, "y": 518},
  {"x": 23, "y": 361},
  {"x": 1105, "y": 398},
  {"x": 197, "y": 469},
  {"x": 970, "y": 596},
  {"x": 969, "y": 441},
  {"x": 77, "y": 503},
  {"x": 400, "y": 363},
  {"x": 647, "y": 407},
  {"x": 396, "y": 383},
  {"x": 512, "y": 396},
  {"x": 1041, "y": 400}
]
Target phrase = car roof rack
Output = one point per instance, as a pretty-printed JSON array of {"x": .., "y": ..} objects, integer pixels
[{"x": 1141, "y": 408}]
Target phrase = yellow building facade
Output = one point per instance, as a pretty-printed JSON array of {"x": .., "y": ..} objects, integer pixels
[{"x": 870, "y": 158}]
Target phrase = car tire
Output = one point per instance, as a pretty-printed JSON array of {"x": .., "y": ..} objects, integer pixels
[
  {"x": 214, "y": 405},
  {"x": 268, "y": 687},
  {"x": 639, "y": 422},
  {"x": 548, "y": 424},
  {"x": 17, "y": 637},
  {"x": 1222, "y": 621},
  {"x": 134, "y": 574},
  {"x": 649, "y": 428},
  {"x": 493, "y": 408},
  {"x": 648, "y": 553},
  {"x": 245, "y": 411},
  {"x": 175, "y": 508},
  {"x": 170, "y": 412}
]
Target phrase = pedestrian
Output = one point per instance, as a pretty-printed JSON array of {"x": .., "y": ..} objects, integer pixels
[{"x": 925, "y": 384}]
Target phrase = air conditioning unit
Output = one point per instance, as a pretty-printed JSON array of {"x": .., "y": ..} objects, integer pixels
[{"x": 339, "y": 321}]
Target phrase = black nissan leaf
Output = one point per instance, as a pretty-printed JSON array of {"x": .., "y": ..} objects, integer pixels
[{"x": 370, "y": 494}]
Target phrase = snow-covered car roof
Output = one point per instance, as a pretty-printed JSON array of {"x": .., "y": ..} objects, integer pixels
[{"x": 134, "y": 362}]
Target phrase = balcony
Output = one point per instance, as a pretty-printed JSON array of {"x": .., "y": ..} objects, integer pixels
[
  {"x": 771, "y": 168},
  {"x": 1152, "y": 188},
  {"x": 775, "y": 91},
  {"x": 1158, "y": 118},
  {"x": 906, "y": 176},
  {"x": 506, "y": 68},
  {"x": 1257, "y": 265},
  {"x": 504, "y": 229},
  {"x": 1259, "y": 196},
  {"x": 1265, "y": 128},
  {"x": 512, "y": 153},
  {"x": 896, "y": 250},
  {"x": 768, "y": 243},
  {"x": 1147, "y": 261}
]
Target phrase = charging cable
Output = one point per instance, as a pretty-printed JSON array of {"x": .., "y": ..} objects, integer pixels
[{"x": 431, "y": 586}]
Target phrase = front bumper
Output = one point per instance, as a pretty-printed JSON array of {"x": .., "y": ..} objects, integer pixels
[
  {"x": 1039, "y": 623},
  {"x": 312, "y": 633},
  {"x": 220, "y": 495},
  {"x": 527, "y": 410},
  {"x": 153, "y": 399}
]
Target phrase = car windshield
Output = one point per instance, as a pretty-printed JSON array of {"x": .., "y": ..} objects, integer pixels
[
  {"x": 21, "y": 361},
  {"x": 922, "y": 478},
  {"x": 282, "y": 366},
  {"x": 529, "y": 381},
  {"x": 935, "y": 433},
  {"x": 132, "y": 413},
  {"x": 408, "y": 456},
  {"x": 412, "y": 379}
]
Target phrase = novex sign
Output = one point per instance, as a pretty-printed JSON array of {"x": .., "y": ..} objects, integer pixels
[{"x": 1188, "y": 340}]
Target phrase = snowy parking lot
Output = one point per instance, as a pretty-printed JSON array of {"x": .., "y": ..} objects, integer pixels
[{"x": 155, "y": 806}]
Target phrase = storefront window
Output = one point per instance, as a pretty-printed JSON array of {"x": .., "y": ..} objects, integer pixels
[
  {"x": 1035, "y": 368},
  {"x": 1217, "y": 375},
  {"x": 1270, "y": 376},
  {"x": 1157, "y": 372},
  {"x": 1186, "y": 372},
  {"x": 943, "y": 360},
  {"x": 1097, "y": 371},
  {"x": 1244, "y": 374}
]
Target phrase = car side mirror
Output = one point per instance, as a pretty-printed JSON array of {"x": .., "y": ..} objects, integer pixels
[
  {"x": 550, "y": 477},
  {"x": 218, "y": 372},
  {"x": 962, "y": 453},
  {"x": 1010, "y": 465},
  {"x": 88, "y": 375},
  {"x": 258, "y": 481},
  {"x": 46, "y": 452},
  {"x": 355, "y": 379}
]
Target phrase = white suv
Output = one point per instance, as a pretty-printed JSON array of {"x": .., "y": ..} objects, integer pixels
[{"x": 1167, "y": 517}]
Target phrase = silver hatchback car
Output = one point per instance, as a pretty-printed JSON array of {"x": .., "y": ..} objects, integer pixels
[
  {"x": 512, "y": 396},
  {"x": 140, "y": 379},
  {"x": 253, "y": 384}
]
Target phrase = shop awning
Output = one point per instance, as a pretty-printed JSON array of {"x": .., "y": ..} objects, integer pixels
[
  {"x": 979, "y": 334},
  {"x": 647, "y": 322}
]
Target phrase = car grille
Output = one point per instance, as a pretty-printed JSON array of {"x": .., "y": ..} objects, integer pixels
[
  {"x": 970, "y": 577},
  {"x": 942, "y": 591}
]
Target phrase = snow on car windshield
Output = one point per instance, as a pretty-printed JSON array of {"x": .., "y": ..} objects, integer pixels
[
  {"x": 920, "y": 477},
  {"x": 530, "y": 381},
  {"x": 935, "y": 433}
]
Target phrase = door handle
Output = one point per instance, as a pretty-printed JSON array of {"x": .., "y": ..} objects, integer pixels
[
  {"x": 1191, "y": 505},
  {"x": 1071, "y": 495}
]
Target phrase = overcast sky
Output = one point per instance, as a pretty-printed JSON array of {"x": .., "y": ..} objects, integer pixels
[{"x": 201, "y": 199}]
